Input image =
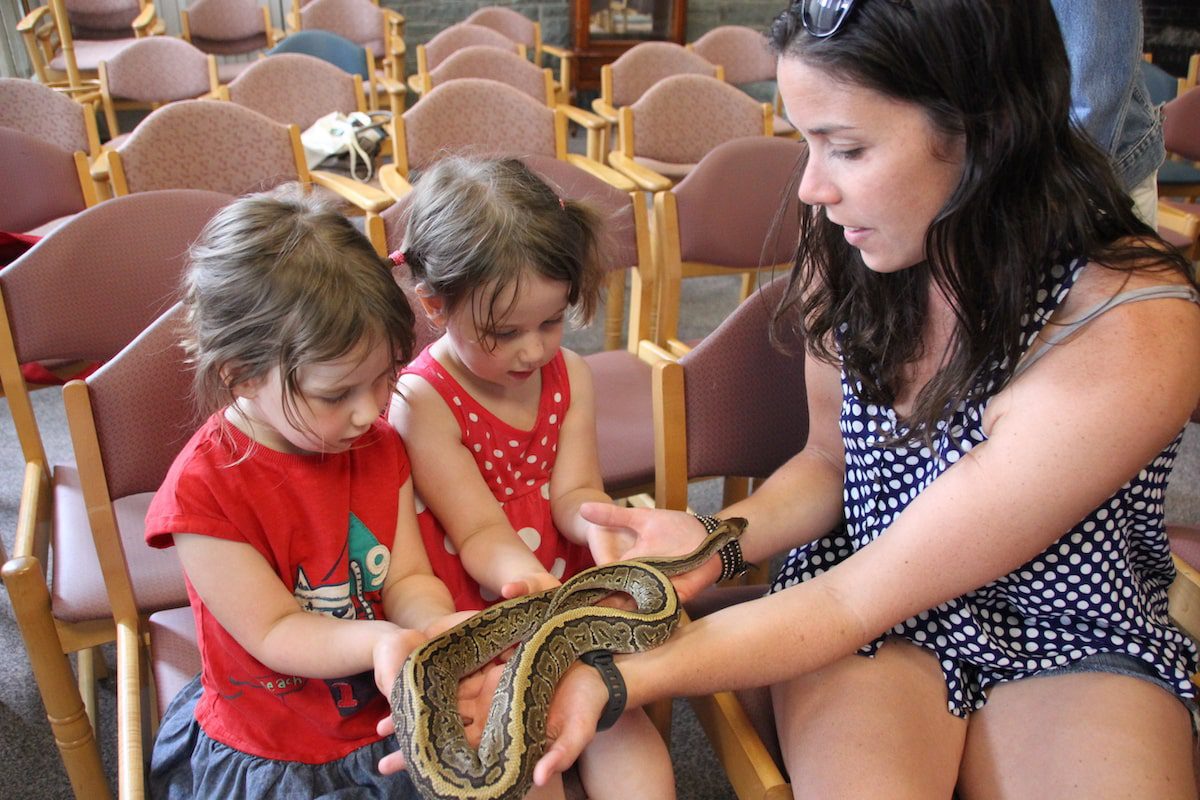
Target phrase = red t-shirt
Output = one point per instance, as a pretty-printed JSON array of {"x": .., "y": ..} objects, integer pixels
[{"x": 325, "y": 524}]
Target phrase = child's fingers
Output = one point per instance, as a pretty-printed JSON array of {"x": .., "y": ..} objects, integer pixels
[
  {"x": 392, "y": 763},
  {"x": 613, "y": 516},
  {"x": 385, "y": 726}
]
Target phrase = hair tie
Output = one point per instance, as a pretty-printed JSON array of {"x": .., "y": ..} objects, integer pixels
[
  {"x": 562, "y": 204},
  {"x": 398, "y": 258}
]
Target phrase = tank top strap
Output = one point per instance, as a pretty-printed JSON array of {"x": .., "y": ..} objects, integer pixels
[
  {"x": 1062, "y": 332},
  {"x": 445, "y": 384}
]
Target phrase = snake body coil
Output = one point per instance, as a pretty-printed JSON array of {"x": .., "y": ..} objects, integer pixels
[{"x": 553, "y": 628}]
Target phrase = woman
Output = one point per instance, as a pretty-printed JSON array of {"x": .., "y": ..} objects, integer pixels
[{"x": 1001, "y": 361}]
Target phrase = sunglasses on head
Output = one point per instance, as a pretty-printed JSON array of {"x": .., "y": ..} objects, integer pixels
[{"x": 824, "y": 18}]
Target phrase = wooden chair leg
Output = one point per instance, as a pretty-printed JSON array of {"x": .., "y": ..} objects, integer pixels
[
  {"x": 85, "y": 669},
  {"x": 73, "y": 733}
]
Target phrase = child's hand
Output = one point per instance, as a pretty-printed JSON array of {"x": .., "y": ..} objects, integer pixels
[
  {"x": 530, "y": 584},
  {"x": 389, "y": 654},
  {"x": 443, "y": 624}
]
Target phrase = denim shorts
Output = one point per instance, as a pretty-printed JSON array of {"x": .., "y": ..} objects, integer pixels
[{"x": 1130, "y": 666}]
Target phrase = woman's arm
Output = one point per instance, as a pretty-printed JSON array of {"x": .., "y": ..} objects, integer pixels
[
  {"x": 1064, "y": 437},
  {"x": 450, "y": 484}
]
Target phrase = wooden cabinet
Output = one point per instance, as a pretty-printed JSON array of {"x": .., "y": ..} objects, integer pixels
[{"x": 604, "y": 29}]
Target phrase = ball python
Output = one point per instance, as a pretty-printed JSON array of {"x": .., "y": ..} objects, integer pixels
[{"x": 552, "y": 629}]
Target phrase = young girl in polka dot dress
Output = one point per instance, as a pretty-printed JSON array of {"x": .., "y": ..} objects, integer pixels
[{"x": 498, "y": 418}]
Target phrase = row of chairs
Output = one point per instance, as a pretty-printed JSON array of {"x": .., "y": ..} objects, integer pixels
[{"x": 64, "y": 55}]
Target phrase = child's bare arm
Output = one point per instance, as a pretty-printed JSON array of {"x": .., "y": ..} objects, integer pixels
[
  {"x": 448, "y": 481},
  {"x": 246, "y": 596},
  {"x": 412, "y": 596}
]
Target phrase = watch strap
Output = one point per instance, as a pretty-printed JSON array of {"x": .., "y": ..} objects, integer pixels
[{"x": 602, "y": 660}]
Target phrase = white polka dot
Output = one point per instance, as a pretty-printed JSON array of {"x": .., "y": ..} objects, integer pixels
[
  {"x": 473, "y": 416},
  {"x": 478, "y": 447},
  {"x": 531, "y": 537},
  {"x": 513, "y": 443},
  {"x": 553, "y": 419},
  {"x": 545, "y": 491},
  {"x": 498, "y": 453},
  {"x": 449, "y": 546},
  {"x": 487, "y": 465},
  {"x": 558, "y": 568},
  {"x": 531, "y": 459},
  {"x": 558, "y": 397},
  {"x": 418, "y": 503},
  {"x": 457, "y": 400}
]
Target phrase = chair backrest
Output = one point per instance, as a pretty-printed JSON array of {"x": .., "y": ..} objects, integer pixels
[
  {"x": 738, "y": 210},
  {"x": 479, "y": 61},
  {"x": 480, "y": 117},
  {"x": 644, "y": 65},
  {"x": 41, "y": 182},
  {"x": 102, "y": 19},
  {"x": 207, "y": 144},
  {"x": 743, "y": 412},
  {"x": 128, "y": 421},
  {"x": 156, "y": 69},
  {"x": 743, "y": 52},
  {"x": 293, "y": 88},
  {"x": 86, "y": 290},
  {"x": 360, "y": 21},
  {"x": 456, "y": 37},
  {"x": 337, "y": 50},
  {"x": 1162, "y": 85},
  {"x": 683, "y": 117},
  {"x": 226, "y": 27},
  {"x": 1181, "y": 125},
  {"x": 51, "y": 116},
  {"x": 513, "y": 24}
]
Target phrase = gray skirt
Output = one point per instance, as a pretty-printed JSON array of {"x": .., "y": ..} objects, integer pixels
[{"x": 186, "y": 763}]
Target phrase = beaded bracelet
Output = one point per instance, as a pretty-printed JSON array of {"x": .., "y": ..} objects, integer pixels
[{"x": 732, "y": 562}]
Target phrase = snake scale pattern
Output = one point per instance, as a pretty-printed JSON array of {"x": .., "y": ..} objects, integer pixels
[{"x": 552, "y": 629}]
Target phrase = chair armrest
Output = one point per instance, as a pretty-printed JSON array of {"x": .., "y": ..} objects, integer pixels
[
  {"x": 34, "y": 517},
  {"x": 652, "y": 354},
  {"x": 144, "y": 20},
  {"x": 593, "y": 122},
  {"x": 99, "y": 170},
  {"x": 646, "y": 178},
  {"x": 131, "y": 776},
  {"x": 393, "y": 182},
  {"x": 362, "y": 195},
  {"x": 678, "y": 349},
  {"x": 606, "y": 174},
  {"x": 556, "y": 51},
  {"x": 606, "y": 111},
  {"x": 1184, "y": 598},
  {"x": 30, "y": 21}
]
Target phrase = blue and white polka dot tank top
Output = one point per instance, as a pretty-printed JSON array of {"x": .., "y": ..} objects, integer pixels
[{"x": 1102, "y": 587}]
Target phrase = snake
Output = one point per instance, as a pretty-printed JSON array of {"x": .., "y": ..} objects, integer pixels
[{"x": 551, "y": 629}]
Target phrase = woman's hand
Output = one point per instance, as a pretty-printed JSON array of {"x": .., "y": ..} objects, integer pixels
[
  {"x": 578, "y": 702},
  {"x": 653, "y": 532}
]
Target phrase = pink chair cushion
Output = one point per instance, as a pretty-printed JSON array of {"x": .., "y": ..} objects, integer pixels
[
  {"x": 40, "y": 111},
  {"x": 464, "y": 34},
  {"x": 174, "y": 655},
  {"x": 293, "y": 88},
  {"x": 90, "y": 52},
  {"x": 1185, "y": 543},
  {"x": 478, "y": 61},
  {"x": 1181, "y": 125},
  {"x": 739, "y": 207},
  {"x": 360, "y": 21},
  {"x": 77, "y": 591},
  {"x": 480, "y": 117},
  {"x": 158, "y": 69},
  {"x": 514, "y": 25},
  {"x": 40, "y": 179},
  {"x": 743, "y": 52},
  {"x": 227, "y": 21},
  {"x": 624, "y": 419},
  {"x": 208, "y": 144},
  {"x": 681, "y": 118},
  {"x": 646, "y": 64}
]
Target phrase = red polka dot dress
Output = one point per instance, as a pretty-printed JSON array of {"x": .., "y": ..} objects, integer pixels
[{"x": 516, "y": 465}]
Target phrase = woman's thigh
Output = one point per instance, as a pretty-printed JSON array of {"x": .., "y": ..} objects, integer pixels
[
  {"x": 1091, "y": 734},
  {"x": 871, "y": 727}
]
